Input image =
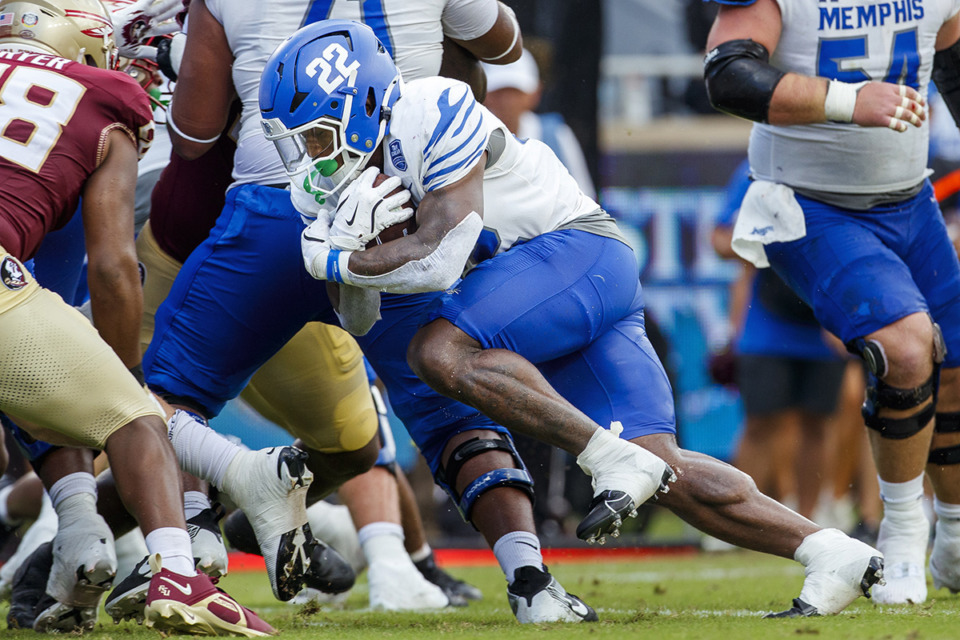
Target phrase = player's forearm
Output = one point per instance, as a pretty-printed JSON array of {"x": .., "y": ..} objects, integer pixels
[
  {"x": 798, "y": 100},
  {"x": 116, "y": 303}
]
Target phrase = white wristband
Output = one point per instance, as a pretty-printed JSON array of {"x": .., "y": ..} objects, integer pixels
[
  {"x": 516, "y": 35},
  {"x": 183, "y": 135},
  {"x": 841, "y": 100}
]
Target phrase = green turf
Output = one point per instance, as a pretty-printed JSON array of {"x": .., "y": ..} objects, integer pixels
[{"x": 707, "y": 596}]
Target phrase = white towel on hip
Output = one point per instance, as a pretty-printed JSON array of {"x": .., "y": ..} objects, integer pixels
[{"x": 769, "y": 213}]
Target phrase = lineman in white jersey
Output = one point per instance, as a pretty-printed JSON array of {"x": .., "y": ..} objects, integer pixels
[
  {"x": 194, "y": 356},
  {"x": 544, "y": 335},
  {"x": 847, "y": 217}
]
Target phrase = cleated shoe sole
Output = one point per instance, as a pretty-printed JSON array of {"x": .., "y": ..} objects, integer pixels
[
  {"x": 270, "y": 486},
  {"x": 609, "y": 509},
  {"x": 56, "y": 617}
]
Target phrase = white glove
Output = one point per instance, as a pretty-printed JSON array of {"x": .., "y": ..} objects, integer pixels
[
  {"x": 141, "y": 20},
  {"x": 315, "y": 244},
  {"x": 366, "y": 210}
]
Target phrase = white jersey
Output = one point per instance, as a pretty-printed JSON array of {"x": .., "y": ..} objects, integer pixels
[
  {"x": 411, "y": 30},
  {"x": 438, "y": 133},
  {"x": 852, "y": 40}
]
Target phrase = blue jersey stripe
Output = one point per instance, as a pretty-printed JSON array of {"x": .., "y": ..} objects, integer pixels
[
  {"x": 433, "y": 181},
  {"x": 317, "y": 11},
  {"x": 448, "y": 113},
  {"x": 469, "y": 139},
  {"x": 375, "y": 18}
]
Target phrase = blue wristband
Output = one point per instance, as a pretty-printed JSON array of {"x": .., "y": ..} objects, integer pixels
[{"x": 333, "y": 266}]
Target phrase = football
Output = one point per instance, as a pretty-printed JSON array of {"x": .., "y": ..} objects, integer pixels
[{"x": 398, "y": 230}]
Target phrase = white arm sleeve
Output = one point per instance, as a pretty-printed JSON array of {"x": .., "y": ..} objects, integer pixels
[
  {"x": 435, "y": 272},
  {"x": 469, "y": 19},
  {"x": 359, "y": 309}
]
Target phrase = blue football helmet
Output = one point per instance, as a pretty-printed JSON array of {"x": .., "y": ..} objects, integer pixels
[{"x": 325, "y": 98}]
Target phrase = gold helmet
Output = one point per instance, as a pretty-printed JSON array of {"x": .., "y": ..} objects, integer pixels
[{"x": 80, "y": 30}]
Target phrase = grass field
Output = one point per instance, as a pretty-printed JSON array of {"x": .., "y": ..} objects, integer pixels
[{"x": 703, "y": 596}]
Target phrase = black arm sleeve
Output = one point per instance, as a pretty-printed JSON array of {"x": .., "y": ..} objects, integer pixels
[
  {"x": 739, "y": 79},
  {"x": 946, "y": 75}
]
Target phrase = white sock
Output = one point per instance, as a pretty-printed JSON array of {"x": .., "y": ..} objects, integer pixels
[
  {"x": 948, "y": 518},
  {"x": 381, "y": 541},
  {"x": 422, "y": 553},
  {"x": 200, "y": 450},
  {"x": 4, "y": 514},
  {"x": 71, "y": 485},
  {"x": 518, "y": 549},
  {"x": 900, "y": 497},
  {"x": 194, "y": 502},
  {"x": 173, "y": 545}
]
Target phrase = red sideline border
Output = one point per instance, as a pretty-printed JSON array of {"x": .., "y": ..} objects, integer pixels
[{"x": 484, "y": 557}]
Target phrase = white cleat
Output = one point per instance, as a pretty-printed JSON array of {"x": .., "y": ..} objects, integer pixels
[
  {"x": 397, "y": 585},
  {"x": 333, "y": 524},
  {"x": 270, "y": 486},
  {"x": 536, "y": 597},
  {"x": 84, "y": 561},
  {"x": 903, "y": 541},
  {"x": 839, "y": 569},
  {"x": 206, "y": 542},
  {"x": 84, "y": 567},
  {"x": 625, "y": 475},
  {"x": 945, "y": 560}
]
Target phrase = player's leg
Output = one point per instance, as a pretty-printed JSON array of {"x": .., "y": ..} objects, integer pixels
[
  {"x": 83, "y": 545},
  {"x": 485, "y": 469},
  {"x": 316, "y": 388},
  {"x": 858, "y": 271},
  {"x": 530, "y": 305},
  {"x": 934, "y": 265},
  {"x": 212, "y": 333},
  {"x": 127, "y": 425}
]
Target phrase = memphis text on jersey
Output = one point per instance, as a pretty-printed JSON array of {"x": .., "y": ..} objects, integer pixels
[{"x": 869, "y": 15}]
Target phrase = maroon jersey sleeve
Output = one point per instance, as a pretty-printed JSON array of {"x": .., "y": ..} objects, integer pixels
[{"x": 55, "y": 116}]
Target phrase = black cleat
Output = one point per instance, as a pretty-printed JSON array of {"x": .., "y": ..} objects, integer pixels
[
  {"x": 328, "y": 571},
  {"x": 129, "y": 598},
  {"x": 800, "y": 609},
  {"x": 29, "y": 587}
]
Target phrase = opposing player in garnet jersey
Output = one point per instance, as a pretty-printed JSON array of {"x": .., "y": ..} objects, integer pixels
[
  {"x": 73, "y": 127},
  {"x": 544, "y": 333}
]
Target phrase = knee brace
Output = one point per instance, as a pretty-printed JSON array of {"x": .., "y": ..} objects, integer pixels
[
  {"x": 31, "y": 448},
  {"x": 517, "y": 477},
  {"x": 946, "y": 423},
  {"x": 881, "y": 395},
  {"x": 387, "y": 458}
]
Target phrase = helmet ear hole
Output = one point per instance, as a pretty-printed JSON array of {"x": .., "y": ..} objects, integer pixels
[{"x": 371, "y": 102}]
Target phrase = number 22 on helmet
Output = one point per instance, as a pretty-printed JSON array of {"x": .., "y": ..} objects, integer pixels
[{"x": 325, "y": 98}]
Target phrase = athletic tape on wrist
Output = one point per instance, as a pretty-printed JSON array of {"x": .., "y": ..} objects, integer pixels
[{"x": 840, "y": 102}]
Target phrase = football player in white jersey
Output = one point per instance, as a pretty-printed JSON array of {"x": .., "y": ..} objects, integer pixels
[
  {"x": 841, "y": 207},
  {"x": 544, "y": 334},
  {"x": 236, "y": 42}
]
